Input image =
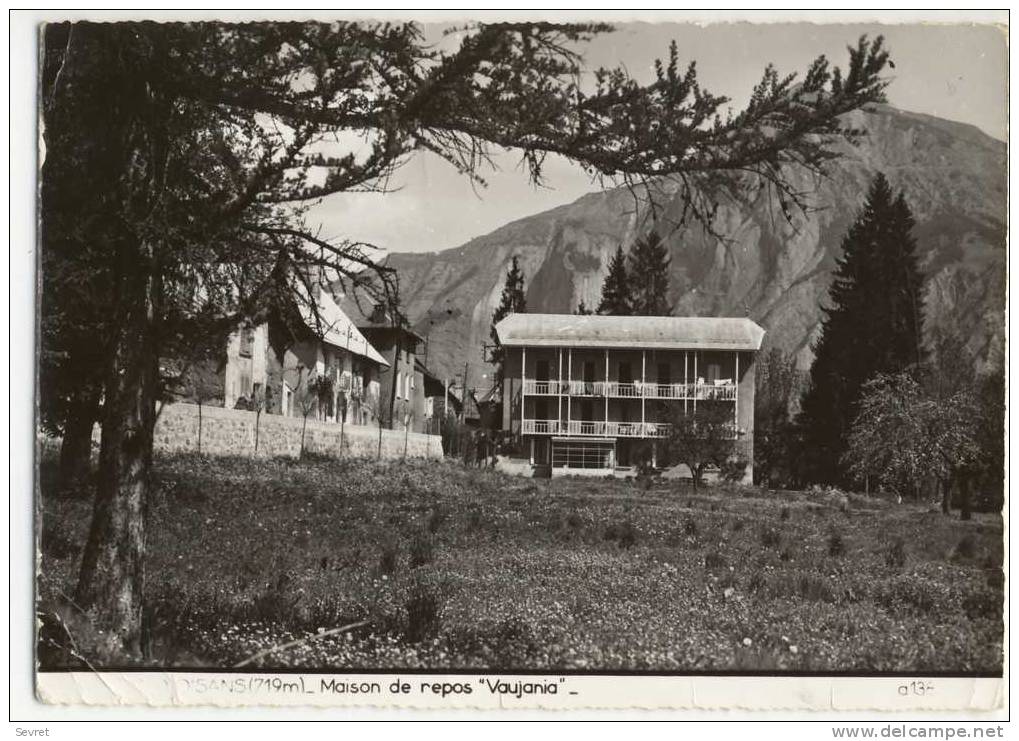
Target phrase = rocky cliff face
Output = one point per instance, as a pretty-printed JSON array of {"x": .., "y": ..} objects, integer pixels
[{"x": 954, "y": 177}]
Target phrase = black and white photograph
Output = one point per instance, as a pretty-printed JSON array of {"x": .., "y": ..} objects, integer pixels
[{"x": 519, "y": 352}]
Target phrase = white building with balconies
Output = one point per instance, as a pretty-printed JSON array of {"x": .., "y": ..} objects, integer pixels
[{"x": 592, "y": 394}]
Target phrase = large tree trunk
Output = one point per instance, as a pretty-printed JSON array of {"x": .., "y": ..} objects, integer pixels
[
  {"x": 112, "y": 577},
  {"x": 946, "y": 495},
  {"x": 76, "y": 445}
]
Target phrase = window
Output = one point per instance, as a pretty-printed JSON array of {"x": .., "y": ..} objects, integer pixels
[
  {"x": 541, "y": 370},
  {"x": 247, "y": 341},
  {"x": 664, "y": 373},
  {"x": 625, "y": 373},
  {"x": 714, "y": 372},
  {"x": 589, "y": 371},
  {"x": 583, "y": 454},
  {"x": 245, "y": 383},
  {"x": 399, "y": 384}
]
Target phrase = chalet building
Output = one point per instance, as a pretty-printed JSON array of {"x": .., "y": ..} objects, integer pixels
[
  {"x": 401, "y": 380},
  {"x": 326, "y": 367},
  {"x": 592, "y": 394}
]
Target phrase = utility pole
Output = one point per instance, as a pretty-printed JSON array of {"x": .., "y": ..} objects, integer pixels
[
  {"x": 463, "y": 405},
  {"x": 395, "y": 322}
]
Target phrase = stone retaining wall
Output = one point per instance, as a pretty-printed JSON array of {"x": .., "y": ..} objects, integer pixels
[{"x": 232, "y": 432}]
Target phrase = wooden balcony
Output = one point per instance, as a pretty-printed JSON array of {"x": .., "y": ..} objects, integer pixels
[
  {"x": 633, "y": 390},
  {"x": 543, "y": 388},
  {"x": 580, "y": 428},
  {"x": 690, "y": 391}
]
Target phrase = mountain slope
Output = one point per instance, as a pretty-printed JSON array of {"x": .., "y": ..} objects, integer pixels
[{"x": 954, "y": 177}]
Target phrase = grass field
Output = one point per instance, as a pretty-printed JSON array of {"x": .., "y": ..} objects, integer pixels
[{"x": 458, "y": 568}]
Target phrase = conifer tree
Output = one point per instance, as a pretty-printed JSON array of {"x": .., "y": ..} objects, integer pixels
[
  {"x": 872, "y": 326},
  {"x": 513, "y": 301},
  {"x": 649, "y": 276},
  {"x": 615, "y": 291}
]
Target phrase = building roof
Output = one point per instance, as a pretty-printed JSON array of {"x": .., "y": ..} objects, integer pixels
[
  {"x": 368, "y": 314},
  {"x": 334, "y": 327},
  {"x": 433, "y": 384},
  {"x": 650, "y": 332}
]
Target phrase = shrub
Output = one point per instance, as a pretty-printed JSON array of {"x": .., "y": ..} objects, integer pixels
[
  {"x": 436, "y": 519},
  {"x": 389, "y": 559},
  {"x": 734, "y": 469},
  {"x": 714, "y": 560},
  {"x": 421, "y": 549},
  {"x": 422, "y": 614},
  {"x": 574, "y": 520},
  {"x": 815, "y": 588},
  {"x": 274, "y": 603},
  {"x": 966, "y": 549},
  {"x": 784, "y": 513},
  {"x": 912, "y": 594},
  {"x": 737, "y": 525},
  {"x": 624, "y": 533},
  {"x": 895, "y": 557},
  {"x": 786, "y": 554},
  {"x": 770, "y": 538},
  {"x": 690, "y": 527},
  {"x": 836, "y": 545},
  {"x": 629, "y": 537}
]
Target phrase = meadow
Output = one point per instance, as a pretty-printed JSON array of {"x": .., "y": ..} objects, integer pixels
[{"x": 441, "y": 566}]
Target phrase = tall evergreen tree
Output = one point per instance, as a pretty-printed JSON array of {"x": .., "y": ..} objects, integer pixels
[
  {"x": 649, "y": 276},
  {"x": 615, "y": 291},
  {"x": 778, "y": 383},
  {"x": 513, "y": 301},
  {"x": 872, "y": 326}
]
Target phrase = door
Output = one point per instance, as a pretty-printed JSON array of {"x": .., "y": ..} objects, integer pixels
[
  {"x": 588, "y": 377},
  {"x": 541, "y": 370},
  {"x": 541, "y": 408}
]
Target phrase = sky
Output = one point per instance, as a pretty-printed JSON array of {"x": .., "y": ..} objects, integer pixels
[{"x": 957, "y": 72}]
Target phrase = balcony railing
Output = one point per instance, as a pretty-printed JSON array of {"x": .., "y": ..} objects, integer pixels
[
  {"x": 595, "y": 429},
  {"x": 633, "y": 390},
  {"x": 542, "y": 388},
  {"x": 622, "y": 390},
  {"x": 703, "y": 391}
]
